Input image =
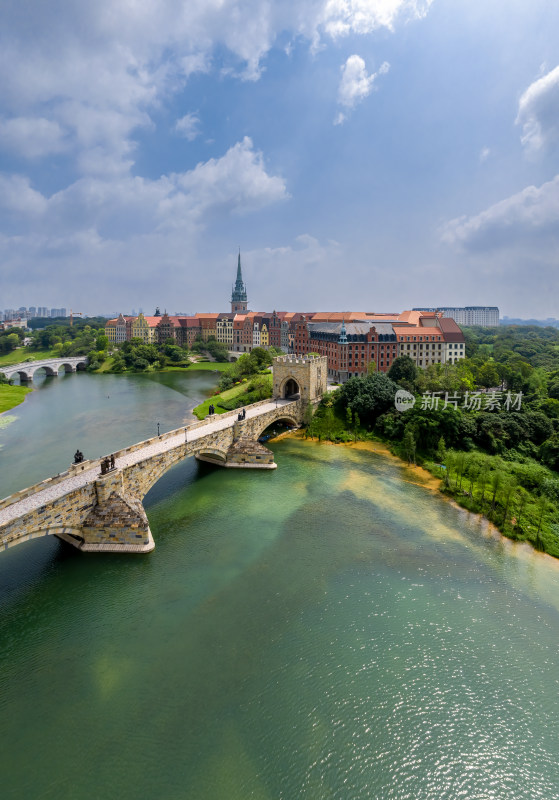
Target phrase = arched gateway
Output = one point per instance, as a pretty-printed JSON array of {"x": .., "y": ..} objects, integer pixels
[
  {"x": 300, "y": 377},
  {"x": 101, "y": 511}
]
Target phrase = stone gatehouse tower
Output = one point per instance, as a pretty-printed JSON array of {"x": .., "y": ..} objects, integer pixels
[{"x": 300, "y": 377}]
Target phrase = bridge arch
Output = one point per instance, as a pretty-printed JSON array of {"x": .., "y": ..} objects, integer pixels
[
  {"x": 211, "y": 454},
  {"x": 163, "y": 463},
  {"x": 22, "y": 374},
  {"x": 62, "y": 531},
  {"x": 289, "y": 387},
  {"x": 67, "y": 368},
  {"x": 50, "y": 372},
  {"x": 290, "y": 418}
]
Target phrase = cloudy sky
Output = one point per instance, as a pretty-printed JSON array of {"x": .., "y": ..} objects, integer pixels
[{"x": 367, "y": 154}]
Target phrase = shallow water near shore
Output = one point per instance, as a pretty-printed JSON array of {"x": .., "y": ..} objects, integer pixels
[{"x": 329, "y": 629}]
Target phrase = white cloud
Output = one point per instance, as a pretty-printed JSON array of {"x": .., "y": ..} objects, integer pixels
[
  {"x": 305, "y": 256},
  {"x": 31, "y": 137},
  {"x": 342, "y": 17},
  {"x": 530, "y": 217},
  {"x": 127, "y": 206},
  {"x": 484, "y": 154},
  {"x": 238, "y": 181},
  {"x": 538, "y": 112},
  {"x": 19, "y": 198},
  {"x": 355, "y": 84},
  {"x": 188, "y": 126},
  {"x": 117, "y": 60},
  {"x": 99, "y": 232}
]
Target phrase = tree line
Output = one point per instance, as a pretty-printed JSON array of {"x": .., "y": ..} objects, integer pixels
[{"x": 476, "y": 447}]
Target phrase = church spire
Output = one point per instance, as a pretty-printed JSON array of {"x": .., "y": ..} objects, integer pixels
[
  {"x": 239, "y": 293},
  {"x": 239, "y": 271}
]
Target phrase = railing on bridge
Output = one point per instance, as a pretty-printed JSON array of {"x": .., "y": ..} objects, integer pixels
[{"x": 96, "y": 462}]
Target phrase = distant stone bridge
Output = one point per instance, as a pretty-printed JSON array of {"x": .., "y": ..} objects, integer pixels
[
  {"x": 104, "y": 512},
  {"x": 27, "y": 369}
]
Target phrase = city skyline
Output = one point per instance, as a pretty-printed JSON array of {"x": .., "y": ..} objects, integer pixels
[{"x": 398, "y": 151}]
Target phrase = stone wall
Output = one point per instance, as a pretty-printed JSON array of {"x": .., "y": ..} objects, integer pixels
[
  {"x": 309, "y": 372},
  {"x": 107, "y": 513}
]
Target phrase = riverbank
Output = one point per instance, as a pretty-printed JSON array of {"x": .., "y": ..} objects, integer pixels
[
  {"x": 12, "y": 396},
  {"x": 21, "y": 354},
  {"x": 107, "y": 368},
  {"x": 528, "y": 518}
]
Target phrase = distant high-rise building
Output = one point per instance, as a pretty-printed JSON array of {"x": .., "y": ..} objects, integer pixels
[
  {"x": 486, "y": 316},
  {"x": 239, "y": 294},
  {"x": 32, "y": 310}
]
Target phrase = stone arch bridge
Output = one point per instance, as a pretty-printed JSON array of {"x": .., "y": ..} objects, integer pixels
[
  {"x": 104, "y": 512},
  {"x": 27, "y": 369}
]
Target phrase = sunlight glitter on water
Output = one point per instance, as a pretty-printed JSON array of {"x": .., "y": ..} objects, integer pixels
[{"x": 327, "y": 631}]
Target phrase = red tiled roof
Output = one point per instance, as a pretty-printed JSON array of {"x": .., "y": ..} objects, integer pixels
[{"x": 451, "y": 329}]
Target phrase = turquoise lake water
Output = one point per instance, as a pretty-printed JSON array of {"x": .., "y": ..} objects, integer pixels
[{"x": 329, "y": 629}]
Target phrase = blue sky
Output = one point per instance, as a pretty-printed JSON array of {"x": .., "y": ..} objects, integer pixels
[{"x": 365, "y": 154}]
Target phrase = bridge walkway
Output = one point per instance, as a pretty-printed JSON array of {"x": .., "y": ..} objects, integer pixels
[{"x": 154, "y": 447}]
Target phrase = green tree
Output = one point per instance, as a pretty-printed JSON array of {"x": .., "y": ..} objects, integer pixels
[
  {"x": 9, "y": 342},
  {"x": 356, "y": 424},
  {"x": 262, "y": 357},
  {"x": 118, "y": 364},
  {"x": 473, "y": 472},
  {"x": 409, "y": 445},
  {"x": 542, "y": 506},
  {"x": 522, "y": 498},
  {"x": 403, "y": 369},
  {"x": 488, "y": 375},
  {"x": 496, "y": 481},
  {"x": 509, "y": 486},
  {"x": 461, "y": 465},
  {"x": 441, "y": 450},
  {"x": 483, "y": 482},
  {"x": 369, "y": 396},
  {"x": 102, "y": 342}
]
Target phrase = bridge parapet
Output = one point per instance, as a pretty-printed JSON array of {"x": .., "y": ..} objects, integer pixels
[
  {"x": 104, "y": 512},
  {"x": 27, "y": 369}
]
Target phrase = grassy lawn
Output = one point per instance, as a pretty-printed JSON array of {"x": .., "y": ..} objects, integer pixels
[
  {"x": 220, "y": 366},
  {"x": 107, "y": 365},
  {"x": 23, "y": 353},
  {"x": 201, "y": 411},
  {"x": 11, "y": 396}
]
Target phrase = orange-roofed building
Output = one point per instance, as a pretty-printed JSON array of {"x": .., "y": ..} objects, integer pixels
[
  {"x": 145, "y": 328},
  {"x": 242, "y": 333},
  {"x": 208, "y": 326},
  {"x": 188, "y": 330},
  {"x": 119, "y": 330}
]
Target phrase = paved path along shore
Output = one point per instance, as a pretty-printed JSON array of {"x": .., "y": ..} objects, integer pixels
[{"x": 152, "y": 448}]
